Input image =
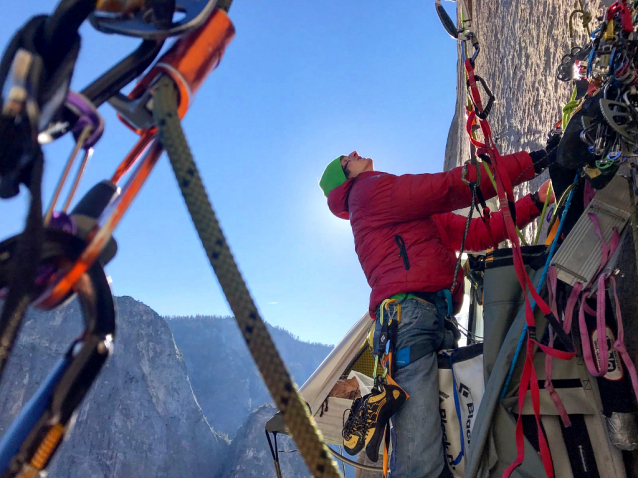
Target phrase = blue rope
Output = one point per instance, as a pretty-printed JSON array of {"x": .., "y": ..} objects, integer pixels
[{"x": 552, "y": 249}]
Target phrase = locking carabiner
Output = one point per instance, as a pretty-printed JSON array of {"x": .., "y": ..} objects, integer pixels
[{"x": 30, "y": 442}]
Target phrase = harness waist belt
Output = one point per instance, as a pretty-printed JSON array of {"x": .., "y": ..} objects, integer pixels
[
  {"x": 430, "y": 297},
  {"x": 442, "y": 297}
]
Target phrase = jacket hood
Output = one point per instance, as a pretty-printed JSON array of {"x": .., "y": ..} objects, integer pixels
[{"x": 338, "y": 199}]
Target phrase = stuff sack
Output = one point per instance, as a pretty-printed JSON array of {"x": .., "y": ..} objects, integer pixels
[{"x": 461, "y": 389}]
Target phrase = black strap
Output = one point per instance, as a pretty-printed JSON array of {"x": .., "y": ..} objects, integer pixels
[
  {"x": 24, "y": 268},
  {"x": 481, "y": 199},
  {"x": 477, "y": 190},
  {"x": 423, "y": 348},
  {"x": 468, "y": 222},
  {"x": 512, "y": 207},
  {"x": 275, "y": 453},
  {"x": 479, "y": 194},
  {"x": 54, "y": 52},
  {"x": 394, "y": 334},
  {"x": 560, "y": 333},
  {"x": 417, "y": 351}
]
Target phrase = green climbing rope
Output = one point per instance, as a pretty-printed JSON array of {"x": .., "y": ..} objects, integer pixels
[{"x": 294, "y": 410}]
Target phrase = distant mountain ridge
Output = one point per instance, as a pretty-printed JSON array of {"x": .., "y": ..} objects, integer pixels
[
  {"x": 143, "y": 415},
  {"x": 222, "y": 372}
]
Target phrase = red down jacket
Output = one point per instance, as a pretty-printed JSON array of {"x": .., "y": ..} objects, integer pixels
[{"x": 417, "y": 207}]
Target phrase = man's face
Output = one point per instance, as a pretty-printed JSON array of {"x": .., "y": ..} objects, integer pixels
[{"x": 353, "y": 164}]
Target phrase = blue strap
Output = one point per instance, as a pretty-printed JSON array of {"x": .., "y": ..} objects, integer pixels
[
  {"x": 447, "y": 295},
  {"x": 402, "y": 357},
  {"x": 457, "y": 405},
  {"x": 552, "y": 249}
]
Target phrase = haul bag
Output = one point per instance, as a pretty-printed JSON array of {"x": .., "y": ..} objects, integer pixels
[
  {"x": 460, "y": 392},
  {"x": 493, "y": 446}
]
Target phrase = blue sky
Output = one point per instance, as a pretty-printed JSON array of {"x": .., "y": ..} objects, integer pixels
[{"x": 301, "y": 83}]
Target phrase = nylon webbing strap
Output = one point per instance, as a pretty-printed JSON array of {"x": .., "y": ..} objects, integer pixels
[
  {"x": 299, "y": 422},
  {"x": 529, "y": 379}
]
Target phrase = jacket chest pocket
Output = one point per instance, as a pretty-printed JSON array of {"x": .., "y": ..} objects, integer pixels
[{"x": 403, "y": 253}]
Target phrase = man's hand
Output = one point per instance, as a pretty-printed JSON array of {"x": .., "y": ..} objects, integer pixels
[
  {"x": 544, "y": 157},
  {"x": 544, "y": 190},
  {"x": 553, "y": 138}
]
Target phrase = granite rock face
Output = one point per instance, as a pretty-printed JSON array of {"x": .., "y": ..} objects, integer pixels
[
  {"x": 522, "y": 43},
  {"x": 249, "y": 454},
  {"x": 225, "y": 379},
  {"x": 141, "y": 417}
]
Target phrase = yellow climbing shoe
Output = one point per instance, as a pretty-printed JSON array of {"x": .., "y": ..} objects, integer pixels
[
  {"x": 354, "y": 427},
  {"x": 369, "y": 415},
  {"x": 380, "y": 406}
]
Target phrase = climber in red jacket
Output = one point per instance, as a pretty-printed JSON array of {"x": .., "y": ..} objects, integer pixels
[{"x": 406, "y": 237}]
